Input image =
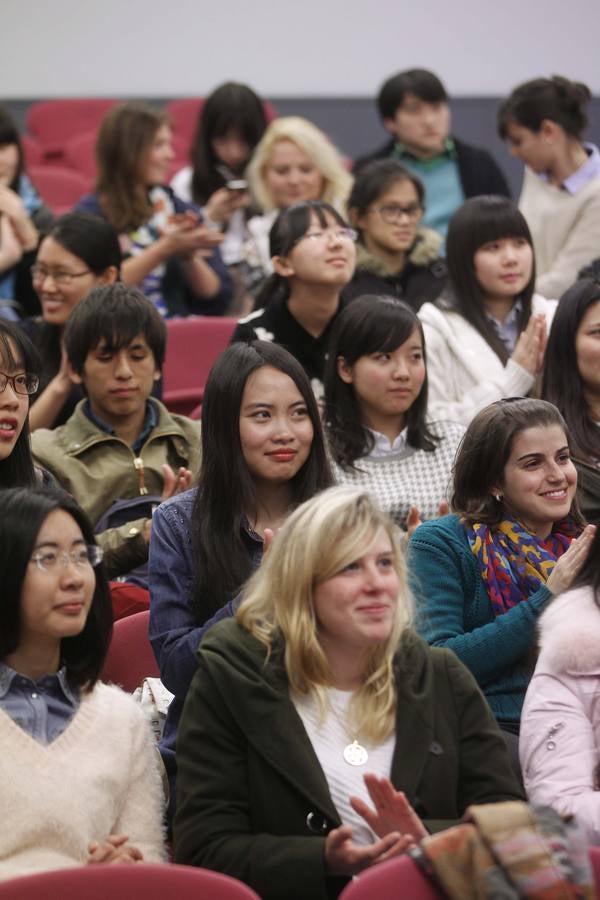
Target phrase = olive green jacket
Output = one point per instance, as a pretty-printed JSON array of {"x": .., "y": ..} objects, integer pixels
[
  {"x": 99, "y": 468},
  {"x": 252, "y": 799}
]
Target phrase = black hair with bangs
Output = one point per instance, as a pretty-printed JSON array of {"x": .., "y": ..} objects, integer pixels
[
  {"x": 115, "y": 314},
  {"x": 17, "y": 354},
  {"x": 370, "y": 324},
  {"x": 287, "y": 230},
  {"x": 480, "y": 221},
  {"x": 420, "y": 82}
]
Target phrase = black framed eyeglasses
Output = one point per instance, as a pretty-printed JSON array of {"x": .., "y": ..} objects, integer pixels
[
  {"x": 39, "y": 273},
  {"x": 393, "y": 212},
  {"x": 23, "y": 383}
]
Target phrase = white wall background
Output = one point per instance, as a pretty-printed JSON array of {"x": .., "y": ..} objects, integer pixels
[{"x": 284, "y": 48}]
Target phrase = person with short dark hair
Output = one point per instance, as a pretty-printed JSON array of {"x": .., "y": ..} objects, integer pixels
[
  {"x": 376, "y": 411},
  {"x": 483, "y": 574},
  {"x": 571, "y": 380},
  {"x": 313, "y": 255},
  {"x": 78, "y": 253},
  {"x": 543, "y": 121},
  {"x": 23, "y": 216},
  {"x": 413, "y": 106},
  {"x": 395, "y": 256},
  {"x": 80, "y": 782},
  {"x": 486, "y": 333},
  {"x": 120, "y": 443}
]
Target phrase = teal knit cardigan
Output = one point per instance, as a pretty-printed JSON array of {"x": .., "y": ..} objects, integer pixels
[{"x": 454, "y": 611}]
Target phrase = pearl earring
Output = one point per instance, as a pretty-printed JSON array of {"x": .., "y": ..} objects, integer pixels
[{"x": 497, "y": 497}]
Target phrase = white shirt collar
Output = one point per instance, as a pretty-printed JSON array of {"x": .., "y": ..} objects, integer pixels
[{"x": 383, "y": 447}]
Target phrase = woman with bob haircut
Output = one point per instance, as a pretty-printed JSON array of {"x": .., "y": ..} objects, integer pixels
[
  {"x": 262, "y": 454},
  {"x": 78, "y": 253},
  {"x": 294, "y": 162},
  {"x": 574, "y": 348},
  {"x": 321, "y": 646},
  {"x": 396, "y": 256},
  {"x": 376, "y": 411},
  {"x": 57, "y": 719},
  {"x": 23, "y": 216},
  {"x": 486, "y": 334},
  {"x": 19, "y": 367},
  {"x": 485, "y": 573},
  {"x": 313, "y": 255},
  {"x": 169, "y": 253},
  {"x": 231, "y": 122},
  {"x": 543, "y": 121},
  {"x": 560, "y": 735}
]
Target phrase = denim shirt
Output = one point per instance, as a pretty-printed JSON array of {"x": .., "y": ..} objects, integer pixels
[
  {"x": 174, "y": 631},
  {"x": 42, "y": 707}
]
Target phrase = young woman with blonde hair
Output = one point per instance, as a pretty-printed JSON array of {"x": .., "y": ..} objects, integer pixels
[
  {"x": 320, "y": 648},
  {"x": 169, "y": 253},
  {"x": 294, "y": 162}
]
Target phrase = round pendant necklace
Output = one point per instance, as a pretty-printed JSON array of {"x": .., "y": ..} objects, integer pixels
[{"x": 355, "y": 754}]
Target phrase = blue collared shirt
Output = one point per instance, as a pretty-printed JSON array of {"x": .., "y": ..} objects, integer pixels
[
  {"x": 43, "y": 708},
  {"x": 150, "y": 423},
  {"x": 508, "y": 330},
  {"x": 584, "y": 174}
]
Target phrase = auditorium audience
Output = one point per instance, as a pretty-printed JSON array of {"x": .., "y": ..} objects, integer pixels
[
  {"x": 293, "y": 163},
  {"x": 80, "y": 780},
  {"x": 571, "y": 380},
  {"x": 230, "y": 124},
  {"x": 23, "y": 216},
  {"x": 262, "y": 453},
  {"x": 484, "y": 574},
  {"x": 560, "y": 733},
  {"x": 376, "y": 412},
  {"x": 79, "y": 252},
  {"x": 313, "y": 256},
  {"x": 305, "y": 750},
  {"x": 19, "y": 364},
  {"x": 413, "y": 106},
  {"x": 119, "y": 443},
  {"x": 543, "y": 121},
  {"x": 169, "y": 252},
  {"x": 395, "y": 255},
  {"x": 486, "y": 333}
]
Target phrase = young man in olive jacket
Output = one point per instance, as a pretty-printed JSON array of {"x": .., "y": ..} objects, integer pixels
[{"x": 120, "y": 443}]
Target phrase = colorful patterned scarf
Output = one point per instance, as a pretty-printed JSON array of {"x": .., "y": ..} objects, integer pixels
[{"x": 514, "y": 563}]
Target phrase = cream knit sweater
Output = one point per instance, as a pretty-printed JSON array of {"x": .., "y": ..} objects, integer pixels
[
  {"x": 99, "y": 777},
  {"x": 565, "y": 229},
  {"x": 463, "y": 372}
]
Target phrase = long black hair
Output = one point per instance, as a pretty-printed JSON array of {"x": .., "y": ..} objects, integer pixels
[
  {"x": 22, "y": 514},
  {"x": 230, "y": 107},
  {"x": 480, "y": 221},
  {"x": 226, "y": 492},
  {"x": 370, "y": 324},
  {"x": 17, "y": 353},
  {"x": 289, "y": 227},
  {"x": 561, "y": 380},
  {"x": 9, "y": 135}
]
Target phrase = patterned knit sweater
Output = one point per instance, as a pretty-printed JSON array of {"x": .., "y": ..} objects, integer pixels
[
  {"x": 99, "y": 777},
  {"x": 409, "y": 477}
]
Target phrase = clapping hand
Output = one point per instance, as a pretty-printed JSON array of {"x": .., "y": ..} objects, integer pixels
[
  {"x": 413, "y": 519},
  {"x": 392, "y": 814},
  {"x": 114, "y": 849}
]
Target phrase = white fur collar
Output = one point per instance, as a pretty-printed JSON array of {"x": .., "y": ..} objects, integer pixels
[{"x": 570, "y": 632}]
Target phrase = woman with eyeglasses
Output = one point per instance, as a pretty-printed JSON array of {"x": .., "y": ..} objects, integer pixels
[
  {"x": 80, "y": 782},
  {"x": 19, "y": 365},
  {"x": 484, "y": 574},
  {"x": 486, "y": 333},
  {"x": 79, "y": 252},
  {"x": 313, "y": 256},
  {"x": 396, "y": 257}
]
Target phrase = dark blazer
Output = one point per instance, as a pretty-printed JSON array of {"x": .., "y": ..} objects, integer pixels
[
  {"x": 253, "y": 801},
  {"x": 478, "y": 170}
]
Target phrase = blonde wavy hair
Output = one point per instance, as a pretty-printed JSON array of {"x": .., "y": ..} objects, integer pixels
[
  {"x": 322, "y": 536},
  {"x": 336, "y": 180}
]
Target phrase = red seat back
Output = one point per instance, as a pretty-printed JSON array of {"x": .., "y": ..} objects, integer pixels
[
  {"x": 192, "y": 347},
  {"x": 80, "y": 154},
  {"x": 59, "y": 187},
  {"x": 130, "y": 658},
  {"x": 398, "y": 878},
  {"x": 53, "y": 122},
  {"x": 152, "y": 882}
]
